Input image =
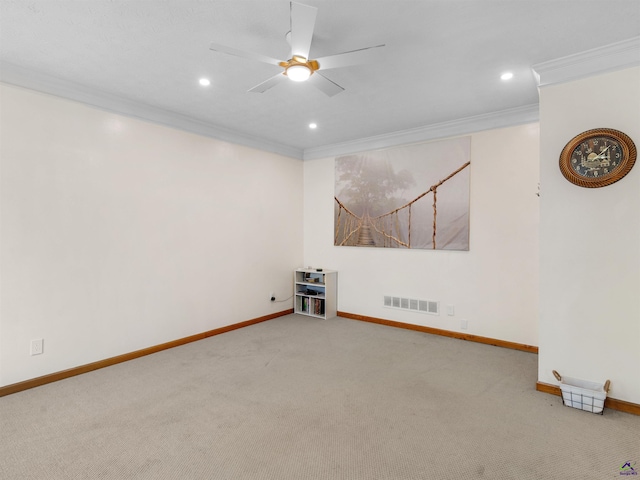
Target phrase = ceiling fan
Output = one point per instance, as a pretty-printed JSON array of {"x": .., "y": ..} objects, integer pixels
[{"x": 299, "y": 67}]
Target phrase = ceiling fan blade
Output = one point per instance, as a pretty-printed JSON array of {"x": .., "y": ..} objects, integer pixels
[
  {"x": 327, "y": 86},
  {"x": 303, "y": 20},
  {"x": 241, "y": 53},
  {"x": 267, "y": 84},
  {"x": 354, "y": 57}
]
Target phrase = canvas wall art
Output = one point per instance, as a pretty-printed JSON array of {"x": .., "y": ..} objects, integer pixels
[{"x": 414, "y": 196}]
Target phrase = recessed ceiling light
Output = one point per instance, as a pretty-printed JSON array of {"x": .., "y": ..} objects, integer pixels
[
  {"x": 313, "y": 125},
  {"x": 205, "y": 82},
  {"x": 506, "y": 76}
]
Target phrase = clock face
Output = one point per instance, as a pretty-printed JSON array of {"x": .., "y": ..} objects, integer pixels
[{"x": 597, "y": 157}]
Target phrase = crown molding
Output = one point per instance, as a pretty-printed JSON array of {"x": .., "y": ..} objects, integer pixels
[
  {"x": 616, "y": 56},
  {"x": 25, "y": 78},
  {"x": 612, "y": 57},
  {"x": 22, "y": 77},
  {"x": 462, "y": 126}
]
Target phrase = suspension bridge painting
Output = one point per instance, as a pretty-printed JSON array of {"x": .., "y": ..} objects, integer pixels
[{"x": 414, "y": 196}]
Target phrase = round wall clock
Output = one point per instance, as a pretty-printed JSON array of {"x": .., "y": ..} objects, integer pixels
[{"x": 597, "y": 158}]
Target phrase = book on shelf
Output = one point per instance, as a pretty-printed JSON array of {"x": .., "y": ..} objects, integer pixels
[{"x": 318, "y": 306}]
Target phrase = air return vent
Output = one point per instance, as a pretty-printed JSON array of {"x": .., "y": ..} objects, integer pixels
[{"x": 430, "y": 307}]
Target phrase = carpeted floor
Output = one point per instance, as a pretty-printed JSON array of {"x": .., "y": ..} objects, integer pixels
[{"x": 300, "y": 398}]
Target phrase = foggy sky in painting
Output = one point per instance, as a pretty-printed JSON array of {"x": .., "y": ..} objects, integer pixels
[{"x": 380, "y": 194}]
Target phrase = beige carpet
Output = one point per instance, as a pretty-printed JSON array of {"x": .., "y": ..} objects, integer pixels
[{"x": 300, "y": 398}]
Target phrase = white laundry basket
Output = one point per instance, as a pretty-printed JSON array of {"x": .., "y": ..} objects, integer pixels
[{"x": 583, "y": 395}]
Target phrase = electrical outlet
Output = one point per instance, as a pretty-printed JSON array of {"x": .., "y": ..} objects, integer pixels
[
  {"x": 37, "y": 346},
  {"x": 450, "y": 310},
  {"x": 463, "y": 324}
]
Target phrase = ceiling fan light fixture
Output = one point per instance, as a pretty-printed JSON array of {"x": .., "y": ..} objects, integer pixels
[{"x": 298, "y": 73}]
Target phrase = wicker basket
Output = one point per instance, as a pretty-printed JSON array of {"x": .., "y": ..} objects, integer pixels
[{"x": 583, "y": 395}]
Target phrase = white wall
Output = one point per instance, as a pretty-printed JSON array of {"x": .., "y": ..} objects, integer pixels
[
  {"x": 590, "y": 242},
  {"x": 118, "y": 234},
  {"x": 494, "y": 286}
]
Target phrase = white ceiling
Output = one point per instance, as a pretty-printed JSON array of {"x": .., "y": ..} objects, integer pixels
[{"x": 442, "y": 60}]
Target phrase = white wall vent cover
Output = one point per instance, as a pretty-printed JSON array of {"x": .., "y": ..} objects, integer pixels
[{"x": 421, "y": 306}]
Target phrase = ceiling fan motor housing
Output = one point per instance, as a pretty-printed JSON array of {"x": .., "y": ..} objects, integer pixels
[{"x": 301, "y": 68}]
